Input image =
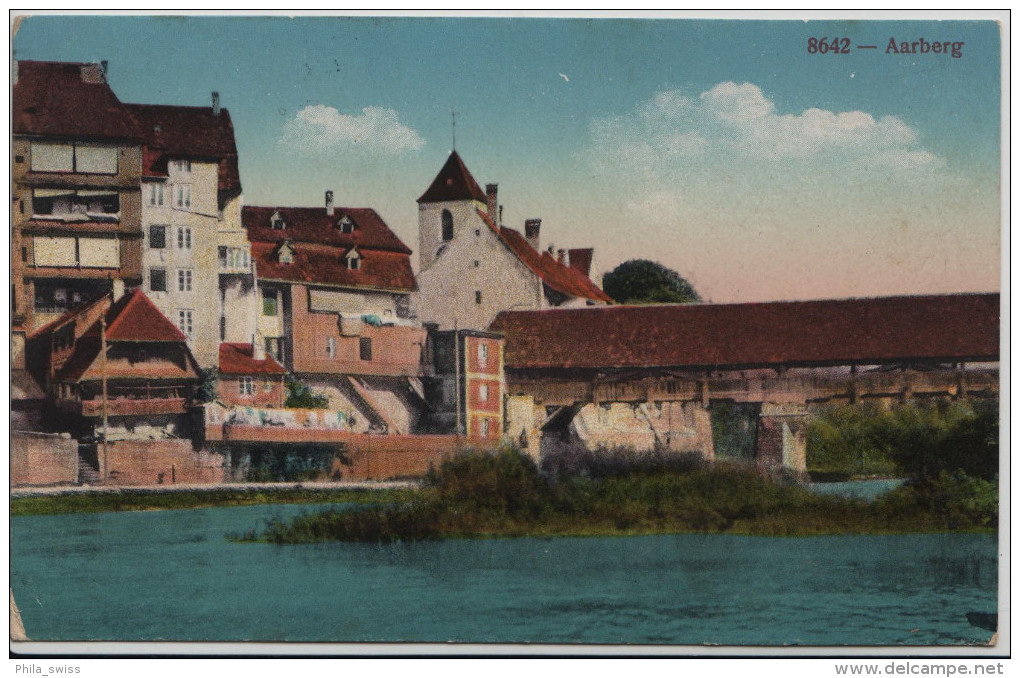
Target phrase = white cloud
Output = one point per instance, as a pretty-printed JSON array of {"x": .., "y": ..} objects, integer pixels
[
  {"x": 322, "y": 130},
  {"x": 672, "y": 133}
]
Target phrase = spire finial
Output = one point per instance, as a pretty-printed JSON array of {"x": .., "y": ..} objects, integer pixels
[{"x": 453, "y": 126}]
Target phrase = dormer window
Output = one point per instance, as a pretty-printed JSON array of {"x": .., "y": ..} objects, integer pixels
[
  {"x": 346, "y": 225},
  {"x": 276, "y": 222},
  {"x": 353, "y": 259},
  {"x": 286, "y": 253}
]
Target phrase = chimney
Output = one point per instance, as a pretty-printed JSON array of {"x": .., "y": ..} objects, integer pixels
[
  {"x": 490, "y": 197},
  {"x": 531, "y": 227},
  {"x": 216, "y": 103},
  {"x": 561, "y": 256},
  {"x": 330, "y": 210},
  {"x": 118, "y": 288},
  {"x": 580, "y": 259},
  {"x": 104, "y": 67},
  {"x": 257, "y": 350}
]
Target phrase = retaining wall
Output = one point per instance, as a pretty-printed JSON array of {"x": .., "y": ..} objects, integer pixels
[
  {"x": 43, "y": 459},
  {"x": 150, "y": 462}
]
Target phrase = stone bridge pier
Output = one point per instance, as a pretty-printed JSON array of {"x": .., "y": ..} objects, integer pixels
[{"x": 781, "y": 439}]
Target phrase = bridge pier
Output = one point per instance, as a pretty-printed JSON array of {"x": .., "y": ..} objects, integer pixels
[{"x": 781, "y": 440}]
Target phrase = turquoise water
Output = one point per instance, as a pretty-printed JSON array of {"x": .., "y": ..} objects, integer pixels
[
  {"x": 171, "y": 575},
  {"x": 858, "y": 489}
]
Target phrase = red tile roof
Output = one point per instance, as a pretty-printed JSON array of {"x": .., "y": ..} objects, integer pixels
[
  {"x": 962, "y": 327},
  {"x": 564, "y": 279},
  {"x": 325, "y": 265},
  {"x": 320, "y": 247},
  {"x": 189, "y": 132},
  {"x": 238, "y": 359},
  {"x": 134, "y": 317},
  {"x": 454, "y": 182},
  {"x": 314, "y": 225},
  {"x": 64, "y": 99}
]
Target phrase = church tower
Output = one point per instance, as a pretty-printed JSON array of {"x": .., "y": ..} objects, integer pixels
[{"x": 448, "y": 209}]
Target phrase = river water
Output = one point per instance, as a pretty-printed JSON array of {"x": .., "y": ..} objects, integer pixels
[{"x": 172, "y": 575}]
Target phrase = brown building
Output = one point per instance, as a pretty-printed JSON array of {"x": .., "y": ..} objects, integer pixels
[
  {"x": 335, "y": 285},
  {"x": 144, "y": 385},
  {"x": 76, "y": 173}
]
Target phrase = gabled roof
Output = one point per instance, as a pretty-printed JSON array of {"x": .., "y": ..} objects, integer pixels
[
  {"x": 315, "y": 225},
  {"x": 238, "y": 359},
  {"x": 946, "y": 328},
  {"x": 454, "y": 182},
  {"x": 134, "y": 317},
  {"x": 68, "y": 99},
  {"x": 188, "y": 132},
  {"x": 563, "y": 279}
]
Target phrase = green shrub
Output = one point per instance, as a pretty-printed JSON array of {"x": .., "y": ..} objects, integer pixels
[
  {"x": 919, "y": 439},
  {"x": 575, "y": 459},
  {"x": 300, "y": 396}
]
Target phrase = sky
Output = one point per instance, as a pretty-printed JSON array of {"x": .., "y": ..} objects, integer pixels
[{"x": 720, "y": 148}]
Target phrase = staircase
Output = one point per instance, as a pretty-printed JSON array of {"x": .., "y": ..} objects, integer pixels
[{"x": 87, "y": 474}]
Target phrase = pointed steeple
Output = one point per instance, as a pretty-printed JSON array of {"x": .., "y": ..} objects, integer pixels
[{"x": 454, "y": 182}]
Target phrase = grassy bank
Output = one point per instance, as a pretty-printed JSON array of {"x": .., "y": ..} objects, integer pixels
[
  {"x": 504, "y": 494},
  {"x": 144, "y": 500}
]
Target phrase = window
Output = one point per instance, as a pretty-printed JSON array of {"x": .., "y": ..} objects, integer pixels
[
  {"x": 269, "y": 306},
  {"x": 182, "y": 196},
  {"x": 447, "y": 225},
  {"x": 483, "y": 393},
  {"x": 247, "y": 386},
  {"x": 24, "y": 254},
  {"x": 156, "y": 195},
  {"x": 483, "y": 354},
  {"x": 76, "y": 205},
  {"x": 485, "y": 428},
  {"x": 267, "y": 386},
  {"x": 478, "y": 296},
  {"x": 182, "y": 165},
  {"x": 286, "y": 254},
  {"x": 184, "y": 321},
  {"x": 184, "y": 280},
  {"x": 157, "y": 279},
  {"x": 183, "y": 238},
  {"x": 276, "y": 221},
  {"x": 346, "y": 225},
  {"x": 365, "y": 348},
  {"x": 331, "y": 347},
  {"x": 478, "y": 231},
  {"x": 157, "y": 237},
  {"x": 79, "y": 158},
  {"x": 477, "y": 263},
  {"x": 354, "y": 261}
]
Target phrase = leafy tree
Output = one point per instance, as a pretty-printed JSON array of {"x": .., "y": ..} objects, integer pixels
[
  {"x": 300, "y": 396},
  {"x": 640, "y": 281}
]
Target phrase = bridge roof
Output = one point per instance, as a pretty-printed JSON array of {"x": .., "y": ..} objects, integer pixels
[{"x": 961, "y": 327}]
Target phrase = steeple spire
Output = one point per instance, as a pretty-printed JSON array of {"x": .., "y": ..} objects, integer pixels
[{"x": 453, "y": 125}]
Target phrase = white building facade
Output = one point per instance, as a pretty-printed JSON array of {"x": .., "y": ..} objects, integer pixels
[{"x": 471, "y": 268}]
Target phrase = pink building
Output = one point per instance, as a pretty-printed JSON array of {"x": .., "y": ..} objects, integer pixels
[
  {"x": 247, "y": 379},
  {"x": 335, "y": 285}
]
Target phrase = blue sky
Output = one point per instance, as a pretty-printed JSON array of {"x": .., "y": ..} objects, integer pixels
[{"x": 720, "y": 148}]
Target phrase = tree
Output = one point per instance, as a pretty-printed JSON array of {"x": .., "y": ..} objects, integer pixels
[
  {"x": 300, "y": 396},
  {"x": 640, "y": 281}
]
